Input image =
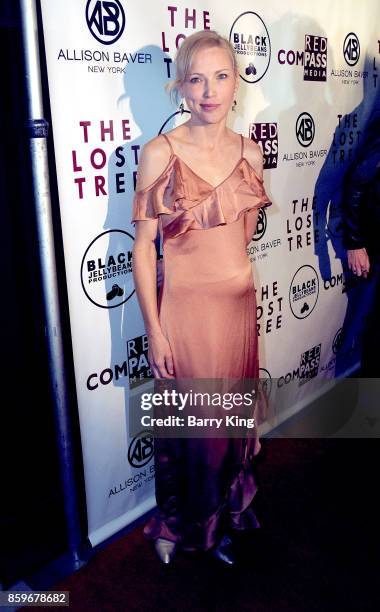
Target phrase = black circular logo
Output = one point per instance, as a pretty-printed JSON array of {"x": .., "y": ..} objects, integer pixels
[
  {"x": 141, "y": 449},
  {"x": 305, "y": 129},
  {"x": 179, "y": 114},
  {"x": 338, "y": 341},
  {"x": 250, "y": 39},
  {"x": 265, "y": 381},
  {"x": 351, "y": 49},
  {"x": 261, "y": 225},
  {"x": 304, "y": 291},
  {"x": 105, "y": 20},
  {"x": 106, "y": 269}
]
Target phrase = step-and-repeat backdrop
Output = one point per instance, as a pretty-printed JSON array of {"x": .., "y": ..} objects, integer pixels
[{"x": 308, "y": 83}]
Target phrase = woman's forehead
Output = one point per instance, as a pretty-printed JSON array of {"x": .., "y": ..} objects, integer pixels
[{"x": 214, "y": 57}]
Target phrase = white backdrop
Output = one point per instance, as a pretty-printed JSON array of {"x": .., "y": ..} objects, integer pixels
[{"x": 308, "y": 83}]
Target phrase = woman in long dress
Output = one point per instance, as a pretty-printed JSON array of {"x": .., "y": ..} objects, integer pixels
[{"x": 201, "y": 186}]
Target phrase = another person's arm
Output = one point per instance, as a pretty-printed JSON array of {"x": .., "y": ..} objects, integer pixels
[
  {"x": 357, "y": 256},
  {"x": 358, "y": 177}
]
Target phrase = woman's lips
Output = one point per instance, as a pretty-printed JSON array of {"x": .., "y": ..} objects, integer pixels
[{"x": 209, "y": 107}]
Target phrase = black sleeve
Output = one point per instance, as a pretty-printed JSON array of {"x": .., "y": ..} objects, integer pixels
[{"x": 358, "y": 178}]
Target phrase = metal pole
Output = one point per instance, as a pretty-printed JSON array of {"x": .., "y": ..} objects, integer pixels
[{"x": 38, "y": 131}]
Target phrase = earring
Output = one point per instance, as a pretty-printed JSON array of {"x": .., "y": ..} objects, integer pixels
[
  {"x": 181, "y": 108},
  {"x": 234, "y": 105}
]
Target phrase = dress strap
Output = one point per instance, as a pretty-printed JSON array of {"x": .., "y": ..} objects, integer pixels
[
  {"x": 242, "y": 145},
  {"x": 169, "y": 143}
]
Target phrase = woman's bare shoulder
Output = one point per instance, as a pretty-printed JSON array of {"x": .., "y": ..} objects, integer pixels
[
  {"x": 154, "y": 158},
  {"x": 253, "y": 153}
]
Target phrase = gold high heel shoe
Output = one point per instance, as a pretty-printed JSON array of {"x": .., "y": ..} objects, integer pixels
[{"x": 165, "y": 549}]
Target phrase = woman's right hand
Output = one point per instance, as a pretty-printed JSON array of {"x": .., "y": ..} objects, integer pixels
[{"x": 160, "y": 356}]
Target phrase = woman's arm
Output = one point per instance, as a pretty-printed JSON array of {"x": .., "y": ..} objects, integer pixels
[
  {"x": 251, "y": 218},
  {"x": 152, "y": 163},
  {"x": 144, "y": 273}
]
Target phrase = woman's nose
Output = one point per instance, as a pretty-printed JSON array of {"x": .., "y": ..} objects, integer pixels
[{"x": 209, "y": 89}]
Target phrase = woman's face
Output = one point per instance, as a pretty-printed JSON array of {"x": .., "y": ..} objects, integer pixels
[{"x": 210, "y": 86}]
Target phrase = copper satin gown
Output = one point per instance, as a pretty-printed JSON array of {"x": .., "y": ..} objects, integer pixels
[{"x": 207, "y": 311}]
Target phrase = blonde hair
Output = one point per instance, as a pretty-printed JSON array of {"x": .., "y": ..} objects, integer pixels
[{"x": 185, "y": 53}]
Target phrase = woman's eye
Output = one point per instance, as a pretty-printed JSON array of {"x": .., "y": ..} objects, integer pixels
[
  {"x": 223, "y": 75},
  {"x": 194, "y": 79}
]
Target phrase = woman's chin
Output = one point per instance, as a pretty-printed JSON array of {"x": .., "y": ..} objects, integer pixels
[{"x": 210, "y": 117}]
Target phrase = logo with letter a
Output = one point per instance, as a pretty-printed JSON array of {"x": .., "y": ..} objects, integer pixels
[
  {"x": 105, "y": 20},
  {"x": 351, "y": 49},
  {"x": 305, "y": 129},
  {"x": 141, "y": 449}
]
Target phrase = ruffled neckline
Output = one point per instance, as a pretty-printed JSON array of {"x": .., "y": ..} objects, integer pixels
[{"x": 185, "y": 201}]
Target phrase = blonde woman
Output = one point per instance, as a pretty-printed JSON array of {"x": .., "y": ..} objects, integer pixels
[{"x": 201, "y": 185}]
